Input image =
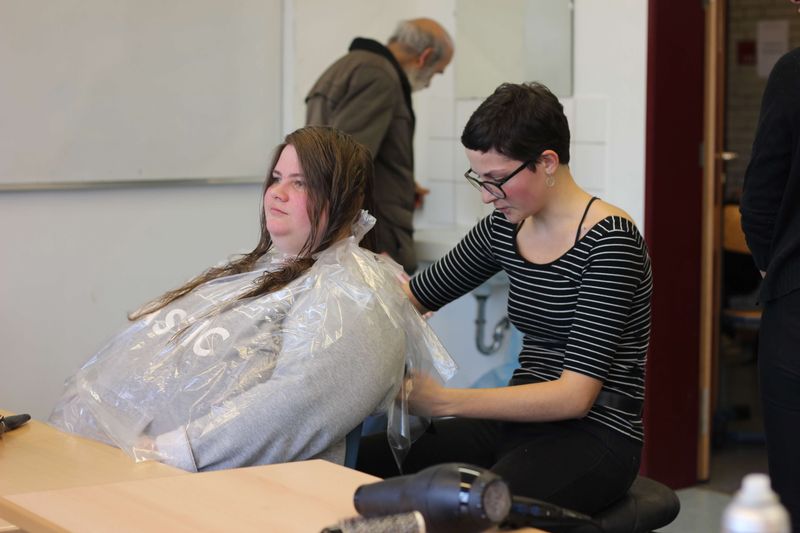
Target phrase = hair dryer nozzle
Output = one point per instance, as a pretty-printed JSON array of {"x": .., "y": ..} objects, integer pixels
[{"x": 451, "y": 497}]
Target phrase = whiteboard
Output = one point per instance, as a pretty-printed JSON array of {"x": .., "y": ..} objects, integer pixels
[{"x": 138, "y": 90}]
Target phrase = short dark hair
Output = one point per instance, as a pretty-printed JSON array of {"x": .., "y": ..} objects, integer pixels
[{"x": 520, "y": 121}]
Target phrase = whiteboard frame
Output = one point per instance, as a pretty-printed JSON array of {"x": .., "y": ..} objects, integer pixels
[{"x": 269, "y": 134}]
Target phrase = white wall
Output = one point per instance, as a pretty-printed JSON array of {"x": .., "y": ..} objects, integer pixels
[
  {"x": 609, "y": 102},
  {"x": 97, "y": 91},
  {"x": 74, "y": 262}
]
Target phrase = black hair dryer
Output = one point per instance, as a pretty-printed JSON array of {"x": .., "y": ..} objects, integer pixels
[{"x": 452, "y": 497}]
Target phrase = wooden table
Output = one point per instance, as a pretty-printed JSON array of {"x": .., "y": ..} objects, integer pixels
[
  {"x": 51, "y": 481},
  {"x": 293, "y": 497},
  {"x": 54, "y": 481},
  {"x": 37, "y": 457}
]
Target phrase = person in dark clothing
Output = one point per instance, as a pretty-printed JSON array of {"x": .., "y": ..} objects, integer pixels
[
  {"x": 367, "y": 93},
  {"x": 770, "y": 209}
]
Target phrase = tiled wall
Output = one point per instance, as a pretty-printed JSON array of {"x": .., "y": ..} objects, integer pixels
[
  {"x": 589, "y": 127},
  {"x": 440, "y": 159},
  {"x": 744, "y": 87},
  {"x": 605, "y": 113}
]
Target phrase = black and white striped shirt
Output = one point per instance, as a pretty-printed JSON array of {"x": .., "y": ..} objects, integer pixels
[{"x": 588, "y": 311}]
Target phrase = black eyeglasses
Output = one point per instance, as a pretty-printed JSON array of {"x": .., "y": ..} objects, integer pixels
[{"x": 495, "y": 188}]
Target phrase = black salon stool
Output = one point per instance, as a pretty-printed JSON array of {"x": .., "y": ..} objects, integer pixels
[{"x": 648, "y": 506}]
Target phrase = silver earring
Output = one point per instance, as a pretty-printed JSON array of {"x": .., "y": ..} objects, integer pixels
[{"x": 550, "y": 180}]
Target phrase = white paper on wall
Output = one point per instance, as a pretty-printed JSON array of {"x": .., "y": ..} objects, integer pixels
[{"x": 772, "y": 41}]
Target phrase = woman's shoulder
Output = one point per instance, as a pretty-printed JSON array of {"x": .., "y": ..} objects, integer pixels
[
  {"x": 601, "y": 210},
  {"x": 607, "y": 218},
  {"x": 611, "y": 226}
]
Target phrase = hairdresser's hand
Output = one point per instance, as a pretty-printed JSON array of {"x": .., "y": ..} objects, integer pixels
[
  {"x": 428, "y": 397},
  {"x": 419, "y": 195}
]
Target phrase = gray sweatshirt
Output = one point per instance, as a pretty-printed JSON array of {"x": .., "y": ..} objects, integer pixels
[{"x": 282, "y": 377}]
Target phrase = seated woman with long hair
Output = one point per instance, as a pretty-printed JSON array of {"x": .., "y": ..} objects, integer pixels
[{"x": 276, "y": 355}]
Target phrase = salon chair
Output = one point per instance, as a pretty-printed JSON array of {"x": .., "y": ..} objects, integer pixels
[
  {"x": 740, "y": 278},
  {"x": 647, "y": 506},
  {"x": 351, "y": 446}
]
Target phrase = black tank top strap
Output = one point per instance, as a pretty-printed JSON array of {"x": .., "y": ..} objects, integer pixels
[{"x": 585, "y": 212}]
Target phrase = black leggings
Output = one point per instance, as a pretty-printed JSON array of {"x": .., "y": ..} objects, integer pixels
[
  {"x": 576, "y": 464},
  {"x": 779, "y": 377}
]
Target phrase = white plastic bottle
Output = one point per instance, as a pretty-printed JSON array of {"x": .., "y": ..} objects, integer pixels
[{"x": 755, "y": 509}]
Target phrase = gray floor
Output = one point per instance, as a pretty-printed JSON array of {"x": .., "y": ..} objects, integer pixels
[
  {"x": 701, "y": 511},
  {"x": 703, "y": 504}
]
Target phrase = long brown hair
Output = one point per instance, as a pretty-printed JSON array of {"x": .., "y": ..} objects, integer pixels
[{"x": 338, "y": 172}]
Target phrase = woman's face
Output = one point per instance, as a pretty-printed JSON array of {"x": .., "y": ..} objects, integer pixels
[
  {"x": 286, "y": 204},
  {"x": 525, "y": 192}
]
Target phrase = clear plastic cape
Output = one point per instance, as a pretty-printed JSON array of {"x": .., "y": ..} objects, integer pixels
[{"x": 210, "y": 381}]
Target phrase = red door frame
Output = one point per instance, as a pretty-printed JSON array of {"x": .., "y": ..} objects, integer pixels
[{"x": 673, "y": 219}]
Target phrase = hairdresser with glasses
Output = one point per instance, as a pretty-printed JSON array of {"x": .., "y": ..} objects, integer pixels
[{"x": 568, "y": 428}]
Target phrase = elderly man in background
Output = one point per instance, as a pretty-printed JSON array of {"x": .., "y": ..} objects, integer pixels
[{"x": 367, "y": 93}]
